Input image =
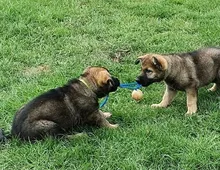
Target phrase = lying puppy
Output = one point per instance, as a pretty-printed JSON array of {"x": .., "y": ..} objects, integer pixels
[
  {"x": 59, "y": 110},
  {"x": 185, "y": 72}
]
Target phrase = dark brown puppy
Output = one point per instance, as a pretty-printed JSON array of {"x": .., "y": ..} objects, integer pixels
[
  {"x": 185, "y": 72},
  {"x": 59, "y": 110}
]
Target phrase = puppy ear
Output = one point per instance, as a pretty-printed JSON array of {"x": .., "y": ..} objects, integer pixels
[
  {"x": 102, "y": 77},
  {"x": 110, "y": 82},
  {"x": 85, "y": 72},
  {"x": 139, "y": 60},
  {"x": 156, "y": 63},
  {"x": 160, "y": 63}
]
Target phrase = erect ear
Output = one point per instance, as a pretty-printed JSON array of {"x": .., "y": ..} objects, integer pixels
[
  {"x": 159, "y": 62},
  {"x": 139, "y": 60},
  {"x": 156, "y": 63}
]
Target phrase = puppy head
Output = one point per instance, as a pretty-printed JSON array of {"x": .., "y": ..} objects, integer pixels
[
  {"x": 153, "y": 68},
  {"x": 100, "y": 80}
]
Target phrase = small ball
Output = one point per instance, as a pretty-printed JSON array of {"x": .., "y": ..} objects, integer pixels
[{"x": 137, "y": 94}]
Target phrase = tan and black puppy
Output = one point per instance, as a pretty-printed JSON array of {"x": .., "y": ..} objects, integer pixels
[
  {"x": 59, "y": 110},
  {"x": 184, "y": 72}
]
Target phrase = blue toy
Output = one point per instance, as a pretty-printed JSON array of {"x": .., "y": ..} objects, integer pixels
[{"x": 131, "y": 86}]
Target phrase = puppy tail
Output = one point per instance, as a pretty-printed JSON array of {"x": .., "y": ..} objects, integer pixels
[{"x": 3, "y": 136}]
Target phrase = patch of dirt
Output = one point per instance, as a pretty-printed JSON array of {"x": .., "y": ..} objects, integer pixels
[
  {"x": 29, "y": 71},
  {"x": 118, "y": 55}
]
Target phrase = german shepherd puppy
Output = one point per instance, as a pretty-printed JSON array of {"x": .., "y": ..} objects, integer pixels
[
  {"x": 185, "y": 72},
  {"x": 60, "y": 110}
]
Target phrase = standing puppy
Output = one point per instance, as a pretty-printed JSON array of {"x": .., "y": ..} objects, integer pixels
[
  {"x": 59, "y": 110},
  {"x": 184, "y": 72}
]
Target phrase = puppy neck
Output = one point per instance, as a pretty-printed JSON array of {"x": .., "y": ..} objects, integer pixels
[
  {"x": 84, "y": 82},
  {"x": 169, "y": 65}
]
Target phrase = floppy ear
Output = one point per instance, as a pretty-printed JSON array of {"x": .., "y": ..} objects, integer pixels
[
  {"x": 110, "y": 82},
  {"x": 159, "y": 62},
  {"x": 102, "y": 77}
]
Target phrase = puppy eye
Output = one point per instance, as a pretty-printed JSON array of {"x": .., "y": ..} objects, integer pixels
[{"x": 148, "y": 71}]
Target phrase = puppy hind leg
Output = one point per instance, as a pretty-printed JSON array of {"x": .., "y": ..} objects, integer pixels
[
  {"x": 49, "y": 127},
  {"x": 216, "y": 84},
  {"x": 214, "y": 87},
  {"x": 40, "y": 129}
]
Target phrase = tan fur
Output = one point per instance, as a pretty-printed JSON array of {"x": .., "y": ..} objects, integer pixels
[{"x": 97, "y": 76}]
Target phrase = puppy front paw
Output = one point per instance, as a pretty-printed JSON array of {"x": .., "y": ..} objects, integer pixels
[
  {"x": 157, "y": 105},
  {"x": 106, "y": 114},
  {"x": 188, "y": 113},
  {"x": 191, "y": 111},
  {"x": 113, "y": 126}
]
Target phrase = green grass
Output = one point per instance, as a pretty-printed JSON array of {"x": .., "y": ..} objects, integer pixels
[{"x": 64, "y": 37}]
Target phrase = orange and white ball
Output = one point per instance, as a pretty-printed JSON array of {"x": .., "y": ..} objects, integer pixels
[{"x": 137, "y": 94}]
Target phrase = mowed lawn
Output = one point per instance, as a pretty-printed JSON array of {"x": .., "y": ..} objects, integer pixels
[{"x": 44, "y": 43}]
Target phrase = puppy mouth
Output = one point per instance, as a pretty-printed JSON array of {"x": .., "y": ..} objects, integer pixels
[
  {"x": 144, "y": 84},
  {"x": 145, "y": 81},
  {"x": 114, "y": 84},
  {"x": 111, "y": 86}
]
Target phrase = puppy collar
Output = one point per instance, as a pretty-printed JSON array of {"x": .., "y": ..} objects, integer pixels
[{"x": 83, "y": 81}]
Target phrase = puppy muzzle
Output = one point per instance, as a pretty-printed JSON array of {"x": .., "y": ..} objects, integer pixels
[
  {"x": 111, "y": 86},
  {"x": 115, "y": 83},
  {"x": 145, "y": 81}
]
